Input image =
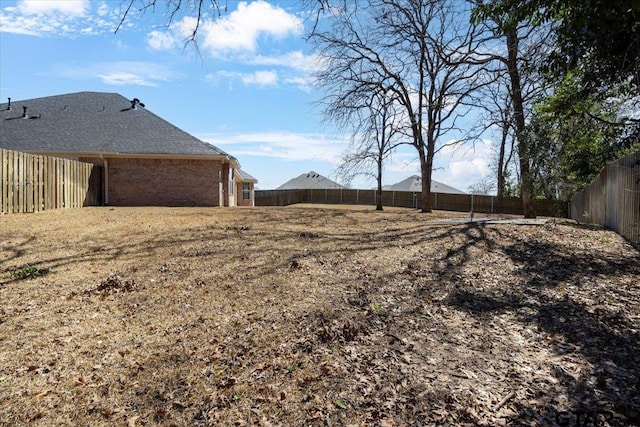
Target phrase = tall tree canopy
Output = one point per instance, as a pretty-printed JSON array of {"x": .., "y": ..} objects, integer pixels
[
  {"x": 592, "y": 75},
  {"x": 603, "y": 37}
]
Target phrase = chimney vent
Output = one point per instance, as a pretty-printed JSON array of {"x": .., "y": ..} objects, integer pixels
[
  {"x": 24, "y": 112},
  {"x": 135, "y": 102},
  {"x": 9, "y": 105}
]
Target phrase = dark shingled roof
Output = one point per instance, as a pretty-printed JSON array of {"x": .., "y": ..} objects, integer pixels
[{"x": 94, "y": 122}]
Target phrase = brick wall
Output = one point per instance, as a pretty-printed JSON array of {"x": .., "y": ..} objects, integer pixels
[
  {"x": 240, "y": 200},
  {"x": 164, "y": 182},
  {"x": 226, "y": 194}
]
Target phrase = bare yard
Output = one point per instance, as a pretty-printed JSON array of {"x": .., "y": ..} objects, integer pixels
[{"x": 313, "y": 316}]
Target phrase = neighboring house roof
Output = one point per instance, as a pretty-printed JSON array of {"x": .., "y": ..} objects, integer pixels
[
  {"x": 95, "y": 123},
  {"x": 245, "y": 177},
  {"x": 414, "y": 183},
  {"x": 311, "y": 180}
]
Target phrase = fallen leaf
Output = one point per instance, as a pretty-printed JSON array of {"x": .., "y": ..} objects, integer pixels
[
  {"x": 340, "y": 404},
  {"x": 132, "y": 421},
  {"x": 42, "y": 393}
]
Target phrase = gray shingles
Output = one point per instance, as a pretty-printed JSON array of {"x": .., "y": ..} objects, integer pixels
[
  {"x": 245, "y": 177},
  {"x": 414, "y": 183},
  {"x": 311, "y": 180},
  {"x": 94, "y": 122}
]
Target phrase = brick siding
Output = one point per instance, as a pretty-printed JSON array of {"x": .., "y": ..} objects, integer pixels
[
  {"x": 164, "y": 182},
  {"x": 240, "y": 200}
]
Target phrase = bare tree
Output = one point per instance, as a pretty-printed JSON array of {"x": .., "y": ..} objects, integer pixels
[
  {"x": 524, "y": 44},
  {"x": 420, "y": 51},
  {"x": 483, "y": 187},
  {"x": 497, "y": 112},
  {"x": 173, "y": 8},
  {"x": 374, "y": 133}
]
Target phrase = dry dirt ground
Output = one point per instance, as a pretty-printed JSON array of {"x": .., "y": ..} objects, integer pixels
[{"x": 313, "y": 316}]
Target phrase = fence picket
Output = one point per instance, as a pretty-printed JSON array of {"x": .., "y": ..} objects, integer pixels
[
  {"x": 613, "y": 198},
  {"x": 409, "y": 199},
  {"x": 32, "y": 183}
]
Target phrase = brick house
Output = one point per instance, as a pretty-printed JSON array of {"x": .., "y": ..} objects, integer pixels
[
  {"x": 245, "y": 189},
  {"x": 145, "y": 160}
]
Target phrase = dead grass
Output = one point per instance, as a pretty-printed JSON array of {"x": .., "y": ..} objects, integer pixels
[{"x": 313, "y": 316}]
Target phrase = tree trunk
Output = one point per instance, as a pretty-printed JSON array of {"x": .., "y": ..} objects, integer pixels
[
  {"x": 425, "y": 168},
  {"x": 379, "y": 193},
  {"x": 528, "y": 203},
  {"x": 501, "y": 168}
]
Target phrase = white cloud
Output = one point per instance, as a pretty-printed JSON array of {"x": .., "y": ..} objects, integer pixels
[
  {"x": 66, "y": 7},
  {"x": 235, "y": 33},
  {"x": 296, "y": 60},
  {"x": 176, "y": 35},
  {"x": 236, "y": 37},
  {"x": 103, "y": 10},
  {"x": 123, "y": 79},
  {"x": 159, "y": 40},
  {"x": 303, "y": 66},
  {"x": 303, "y": 83},
  {"x": 22, "y": 25},
  {"x": 283, "y": 145},
  {"x": 261, "y": 78},
  {"x": 137, "y": 73},
  {"x": 462, "y": 166},
  {"x": 240, "y": 30},
  {"x": 68, "y": 18}
]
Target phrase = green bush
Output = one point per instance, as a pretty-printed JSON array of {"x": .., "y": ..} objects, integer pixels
[{"x": 26, "y": 271}]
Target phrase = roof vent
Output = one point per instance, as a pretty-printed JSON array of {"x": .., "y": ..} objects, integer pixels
[
  {"x": 26, "y": 116},
  {"x": 135, "y": 102},
  {"x": 9, "y": 105}
]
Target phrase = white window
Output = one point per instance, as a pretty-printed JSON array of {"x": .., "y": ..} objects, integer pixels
[{"x": 246, "y": 191}]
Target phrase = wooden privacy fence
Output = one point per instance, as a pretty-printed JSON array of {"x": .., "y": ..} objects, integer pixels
[
  {"x": 409, "y": 199},
  {"x": 613, "y": 198},
  {"x": 33, "y": 183}
]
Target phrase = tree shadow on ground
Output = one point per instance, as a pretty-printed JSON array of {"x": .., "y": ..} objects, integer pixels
[{"x": 566, "y": 298}]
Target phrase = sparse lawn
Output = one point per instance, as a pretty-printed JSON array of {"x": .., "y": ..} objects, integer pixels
[{"x": 313, "y": 316}]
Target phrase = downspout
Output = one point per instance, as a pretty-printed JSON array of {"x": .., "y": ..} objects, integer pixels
[{"x": 106, "y": 179}]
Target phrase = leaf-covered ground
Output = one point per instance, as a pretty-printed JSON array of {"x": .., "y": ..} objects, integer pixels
[{"x": 309, "y": 316}]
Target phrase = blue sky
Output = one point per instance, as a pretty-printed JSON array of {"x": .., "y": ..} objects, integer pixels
[{"x": 247, "y": 88}]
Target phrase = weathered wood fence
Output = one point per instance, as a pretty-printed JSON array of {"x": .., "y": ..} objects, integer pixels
[
  {"x": 33, "y": 183},
  {"x": 409, "y": 199},
  {"x": 613, "y": 198}
]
